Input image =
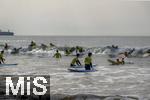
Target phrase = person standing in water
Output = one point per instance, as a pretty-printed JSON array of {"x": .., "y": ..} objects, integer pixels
[
  {"x": 75, "y": 61},
  {"x": 2, "y": 57},
  {"x": 32, "y": 45},
  {"x": 88, "y": 62},
  {"x": 57, "y": 55},
  {"x": 6, "y": 46},
  {"x": 67, "y": 52}
]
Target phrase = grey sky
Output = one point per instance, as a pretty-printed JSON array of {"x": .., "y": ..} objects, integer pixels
[{"x": 76, "y": 17}]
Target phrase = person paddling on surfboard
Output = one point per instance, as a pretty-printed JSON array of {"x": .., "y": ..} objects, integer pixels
[
  {"x": 88, "y": 62},
  {"x": 75, "y": 61},
  {"x": 117, "y": 62},
  {"x": 122, "y": 57},
  {"x": 2, "y": 57},
  {"x": 57, "y": 54}
]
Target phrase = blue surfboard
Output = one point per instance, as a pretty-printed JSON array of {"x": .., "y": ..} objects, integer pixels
[
  {"x": 82, "y": 66},
  {"x": 81, "y": 70},
  {"x": 1, "y": 65}
]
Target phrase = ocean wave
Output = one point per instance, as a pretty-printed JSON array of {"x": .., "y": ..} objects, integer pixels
[
  {"x": 71, "y": 97},
  {"x": 91, "y": 97},
  {"x": 108, "y": 50}
]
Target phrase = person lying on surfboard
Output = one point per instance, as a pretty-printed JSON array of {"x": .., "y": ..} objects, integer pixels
[
  {"x": 122, "y": 57},
  {"x": 75, "y": 61},
  {"x": 88, "y": 62},
  {"x": 2, "y": 57},
  {"x": 117, "y": 62},
  {"x": 120, "y": 60},
  {"x": 57, "y": 54}
]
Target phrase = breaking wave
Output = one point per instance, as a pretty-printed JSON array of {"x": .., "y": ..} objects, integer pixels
[{"x": 107, "y": 50}]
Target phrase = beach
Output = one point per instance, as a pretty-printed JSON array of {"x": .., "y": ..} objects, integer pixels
[{"x": 129, "y": 80}]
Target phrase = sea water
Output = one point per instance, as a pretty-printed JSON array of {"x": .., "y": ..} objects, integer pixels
[{"x": 129, "y": 80}]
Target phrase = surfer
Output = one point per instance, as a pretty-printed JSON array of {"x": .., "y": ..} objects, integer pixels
[
  {"x": 15, "y": 50},
  {"x": 43, "y": 46},
  {"x": 114, "y": 47},
  {"x": 52, "y": 45},
  {"x": 67, "y": 52},
  {"x": 6, "y": 46},
  {"x": 32, "y": 45},
  {"x": 57, "y": 54},
  {"x": 117, "y": 62},
  {"x": 88, "y": 62},
  {"x": 2, "y": 57},
  {"x": 75, "y": 61},
  {"x": 122, "y": 57},
  {"x": 79, "y": 50}
]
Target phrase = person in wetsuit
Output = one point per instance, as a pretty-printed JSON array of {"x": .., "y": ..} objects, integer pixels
[
  {"x": 117, "y": 62},
  {"x": 75, "y": 61},
  {"x": 122, "y": 57},
  {"x": 88, "y": 62},
  {"x": 2, "y": 57},
  {"x": 32, "y": 45},
  {"x": 6, "y": 46},
  {"x": 57, "y": 54}
]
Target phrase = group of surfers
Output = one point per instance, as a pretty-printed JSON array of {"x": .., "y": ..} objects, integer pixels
[
  {"x": 68, "y": 50},
  {"x": 76, "y": 62},
  {"x": 87, "y": 61},
  {"x": 120, "y": 59}
]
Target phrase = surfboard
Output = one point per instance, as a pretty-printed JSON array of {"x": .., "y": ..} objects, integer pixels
[
  {"x": 1, "y": 65},
  {"x": 114, "y": 62},
  {"x": 81, "y": 70},
  {"x": 146, "y": 55},
  {"x": 82, "y": 66}
]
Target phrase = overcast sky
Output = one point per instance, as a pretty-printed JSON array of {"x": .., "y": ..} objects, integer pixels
[{"x": 75, "y": 17}]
